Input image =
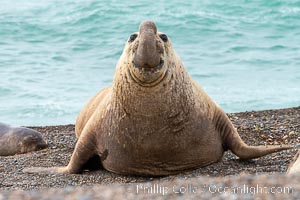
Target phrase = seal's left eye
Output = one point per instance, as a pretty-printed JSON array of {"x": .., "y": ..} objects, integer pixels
[
  {"x": 132, "y": 37},
  {"x": 164, "y": 37}
]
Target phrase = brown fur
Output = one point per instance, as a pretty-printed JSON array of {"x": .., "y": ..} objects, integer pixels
[{"x": 154, "y": 120}]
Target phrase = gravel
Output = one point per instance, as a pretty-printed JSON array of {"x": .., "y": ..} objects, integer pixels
[
  {"x": 256, "y": 128},
  {"x": 273, "y": 186}
]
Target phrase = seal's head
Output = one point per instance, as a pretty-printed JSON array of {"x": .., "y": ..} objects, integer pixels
[
  {"x": 31, "y": 140},
  {"x": 146, "y": 54}
]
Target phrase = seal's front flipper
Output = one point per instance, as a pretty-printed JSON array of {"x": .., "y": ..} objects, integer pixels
[
  {"x": 232, "y": 141},
  {"x": 85, "y": 150},
  {"x": 83, "y": 154},
  {"x": 94, "y": 163},
  {"x": 248, "y": 152},
  {"x": 46, "y": 170}
]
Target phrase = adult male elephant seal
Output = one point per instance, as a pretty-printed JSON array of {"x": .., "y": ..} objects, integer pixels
[
  {"x": 17, "y": 140},
  {"x": 154, "y": 119}
]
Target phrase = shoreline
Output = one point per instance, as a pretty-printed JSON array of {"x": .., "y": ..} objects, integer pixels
[{"x": 280, "y": 126}]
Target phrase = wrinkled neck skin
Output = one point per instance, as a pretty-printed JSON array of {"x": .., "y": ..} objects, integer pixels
[{"x": 167, "y": 95}]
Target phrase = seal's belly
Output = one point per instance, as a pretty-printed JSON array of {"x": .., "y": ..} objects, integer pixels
[{"x": 161, "y": 152}]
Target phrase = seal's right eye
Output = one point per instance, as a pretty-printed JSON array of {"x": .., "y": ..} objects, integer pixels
[
  {"x": 164, "y": 37},
  {"x": 132, "y": 37}
]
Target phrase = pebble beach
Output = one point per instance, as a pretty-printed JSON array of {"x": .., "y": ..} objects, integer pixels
[{"x": 255, "y": 128}]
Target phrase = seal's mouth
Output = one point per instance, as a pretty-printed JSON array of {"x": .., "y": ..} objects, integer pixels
[{"x": 150, "y": 69}]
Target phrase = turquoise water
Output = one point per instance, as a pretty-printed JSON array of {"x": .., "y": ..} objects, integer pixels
[{"x": 55, "y": 55}]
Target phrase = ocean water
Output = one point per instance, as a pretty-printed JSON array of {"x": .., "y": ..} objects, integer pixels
[{"x": 55, "y": 55}]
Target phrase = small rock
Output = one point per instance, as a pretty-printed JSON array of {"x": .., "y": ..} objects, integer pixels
[
  {"x": 292, "y": 133},
  {"x": 284, "y": 137}
]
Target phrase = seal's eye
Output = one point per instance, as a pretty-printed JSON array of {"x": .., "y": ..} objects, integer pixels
[
  {"x": 132, "y": 37},
  {"x": 164, "y": 37}
]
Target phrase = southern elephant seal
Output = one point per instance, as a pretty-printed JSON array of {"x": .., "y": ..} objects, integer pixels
[
  {"x": 154, "y": 119},
  {"x": 17, "y": 140}
]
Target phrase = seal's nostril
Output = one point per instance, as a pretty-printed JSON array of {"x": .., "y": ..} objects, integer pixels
[{"x": 147, "y": 54}]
